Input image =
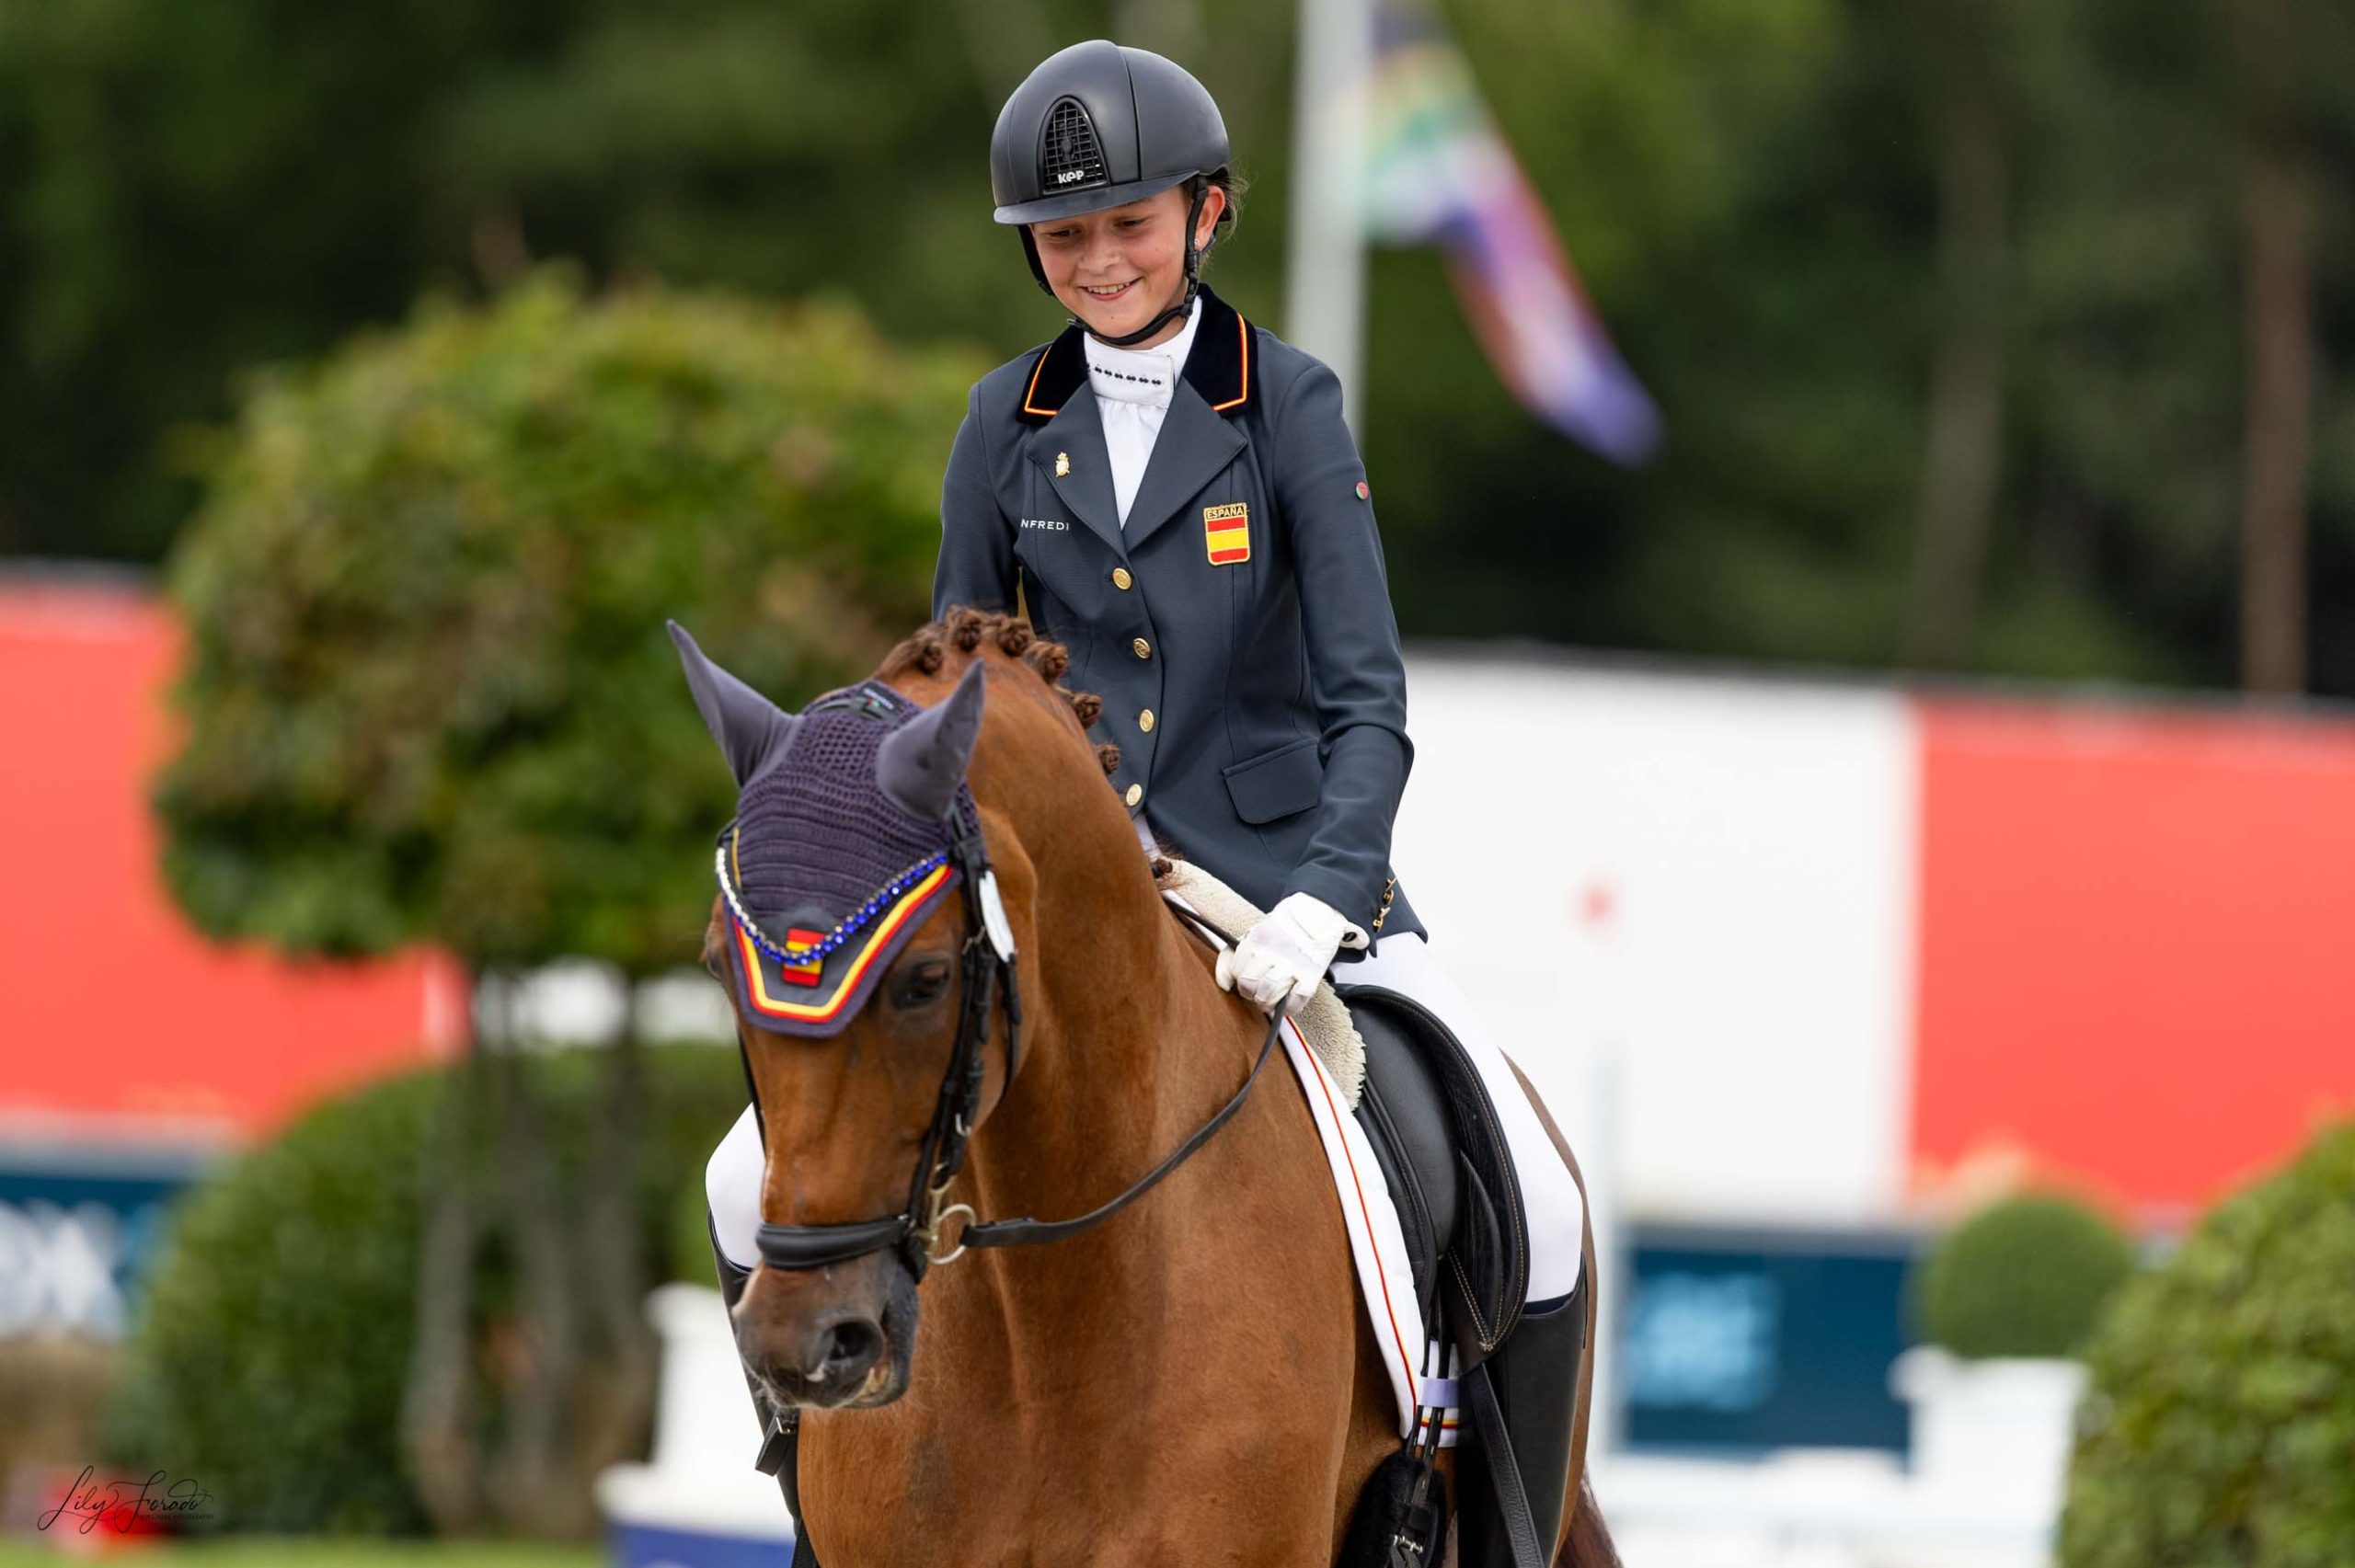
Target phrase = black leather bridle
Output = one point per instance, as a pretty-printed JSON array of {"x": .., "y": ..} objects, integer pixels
[{"x": 914, "y": 1232}]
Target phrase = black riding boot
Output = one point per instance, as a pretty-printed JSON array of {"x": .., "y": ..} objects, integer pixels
[{"x": 1536, "y": 1374}]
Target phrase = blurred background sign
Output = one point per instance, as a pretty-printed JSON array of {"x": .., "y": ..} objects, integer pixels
[
  {"x": 77, "y": 1228},
  {"x": 1871, "y": 954},
  {"x": 125, "y": 1026},
  {"x": 1738, "y": 1342}
]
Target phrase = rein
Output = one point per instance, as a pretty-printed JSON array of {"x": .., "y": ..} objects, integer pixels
[{"x": 914, "y": 1232}]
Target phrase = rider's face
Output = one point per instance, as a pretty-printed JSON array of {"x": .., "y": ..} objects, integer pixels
[{"x": 1118, "y": 269}]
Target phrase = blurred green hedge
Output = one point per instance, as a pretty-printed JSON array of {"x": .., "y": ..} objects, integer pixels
[
  {"x": 2025, "y": 1276},
  {"x": 2221, "y": 1428},
  {"x": 428, "y": 694},
  {"x": 273, "y": 1346}
]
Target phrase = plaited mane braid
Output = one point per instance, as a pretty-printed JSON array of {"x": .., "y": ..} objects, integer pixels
[{"x": 927, "y": 648}]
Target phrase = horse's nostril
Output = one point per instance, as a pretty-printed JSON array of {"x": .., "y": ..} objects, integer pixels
[{"x": 845, "y": 1350}]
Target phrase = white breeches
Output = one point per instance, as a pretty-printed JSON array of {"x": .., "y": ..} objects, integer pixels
[
  {"x": 731, "y": 1185},
  {"x": 1549, "y": 1198},
  {"x": 1555, "y": 1213}
]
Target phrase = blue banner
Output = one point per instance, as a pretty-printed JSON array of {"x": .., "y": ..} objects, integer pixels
[
  {"x": 76, "y": 1230},
  {"x": 1739, "y": 1341}
]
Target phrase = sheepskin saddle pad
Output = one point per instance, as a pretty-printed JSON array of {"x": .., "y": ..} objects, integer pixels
[{"x": 1323, "y": 1021}]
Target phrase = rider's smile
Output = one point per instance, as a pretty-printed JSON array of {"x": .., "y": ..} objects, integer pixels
[{"x": 1116, "y": 268}]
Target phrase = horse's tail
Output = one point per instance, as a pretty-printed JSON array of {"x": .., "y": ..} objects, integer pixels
[{"x": 1589, "y": 1545}]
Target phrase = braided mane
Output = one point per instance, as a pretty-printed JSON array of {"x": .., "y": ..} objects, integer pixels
[{"x": 931, "y": 649}]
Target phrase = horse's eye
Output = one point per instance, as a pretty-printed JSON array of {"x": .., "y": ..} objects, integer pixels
[{"x": 924, "y": 982}]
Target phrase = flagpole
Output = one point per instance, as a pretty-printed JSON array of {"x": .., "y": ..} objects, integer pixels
[{"x": 1325, "y": 250}]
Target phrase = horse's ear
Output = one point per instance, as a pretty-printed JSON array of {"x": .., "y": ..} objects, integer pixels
[
  {"x": 750, "y": 728},
  {"x": 921, "y": 764}
]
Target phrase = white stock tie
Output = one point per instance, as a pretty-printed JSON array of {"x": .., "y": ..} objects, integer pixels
[{"x": 1133, "y": 389}]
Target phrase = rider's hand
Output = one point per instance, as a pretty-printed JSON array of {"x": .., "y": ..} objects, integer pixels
[{"x": 1287, "y": 953}]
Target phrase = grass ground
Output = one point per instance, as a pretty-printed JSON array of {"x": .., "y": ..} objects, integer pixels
[{"x": 300, "y": 1551}]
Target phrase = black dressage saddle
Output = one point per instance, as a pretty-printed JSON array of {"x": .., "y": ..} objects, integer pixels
[{"x": 1443, "y": 1151}]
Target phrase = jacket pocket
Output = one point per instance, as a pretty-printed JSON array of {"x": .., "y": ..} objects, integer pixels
[{"x": 1276, "y": 783}]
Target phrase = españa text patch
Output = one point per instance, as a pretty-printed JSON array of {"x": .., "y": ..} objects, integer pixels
[{"x": 1227, "y": 532}]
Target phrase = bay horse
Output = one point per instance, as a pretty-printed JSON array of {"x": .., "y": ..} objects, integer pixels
[{"x": 1192, "y": 1382}]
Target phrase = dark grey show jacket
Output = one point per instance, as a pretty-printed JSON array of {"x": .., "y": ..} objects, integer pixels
[{"x": 1239, "y": 632}]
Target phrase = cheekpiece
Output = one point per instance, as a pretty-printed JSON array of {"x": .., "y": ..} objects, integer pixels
[{"x": 824, "y": 875}]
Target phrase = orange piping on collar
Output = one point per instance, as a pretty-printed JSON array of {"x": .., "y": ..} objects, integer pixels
[
  {"x": 1031, "y": 390},
  {"x": 1243, "y": 336}
]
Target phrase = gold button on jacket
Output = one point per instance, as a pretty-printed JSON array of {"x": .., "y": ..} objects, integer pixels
[
  {"x": 1136, "y": 792},
  {"x": 1144, "y": 721},
  {"x": 1120, "y": 578},
  {"x": 1143, "y": 648}
]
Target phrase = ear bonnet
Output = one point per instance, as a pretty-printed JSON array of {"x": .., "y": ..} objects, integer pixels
[
  {"x": 840, "y": 848},
  {"x": 853, "y": 821}
]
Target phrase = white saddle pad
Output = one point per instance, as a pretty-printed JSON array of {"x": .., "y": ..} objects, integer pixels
[{"x": 1328, "y": 1059}]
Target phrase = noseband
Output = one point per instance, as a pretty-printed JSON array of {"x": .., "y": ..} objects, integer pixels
[{"x": 914, "y": 1232}]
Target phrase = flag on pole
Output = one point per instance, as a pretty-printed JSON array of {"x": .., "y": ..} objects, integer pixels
[{"x": 1439, "y": 172}]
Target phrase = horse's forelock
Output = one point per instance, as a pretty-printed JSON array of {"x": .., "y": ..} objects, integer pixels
[{"x": 948, "y": 646}]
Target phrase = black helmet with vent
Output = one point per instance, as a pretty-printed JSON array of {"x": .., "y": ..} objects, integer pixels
[{"x": 1097, "y": 125}]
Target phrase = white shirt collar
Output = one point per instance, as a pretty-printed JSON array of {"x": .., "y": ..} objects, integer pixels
[{"x": 1141, "y": 376}]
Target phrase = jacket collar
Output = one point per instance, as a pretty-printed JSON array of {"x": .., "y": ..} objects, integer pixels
[{"x": 1220, "y": 366}]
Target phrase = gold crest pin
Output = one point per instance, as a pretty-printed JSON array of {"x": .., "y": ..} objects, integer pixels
[{"x": 1062, "y": 465}]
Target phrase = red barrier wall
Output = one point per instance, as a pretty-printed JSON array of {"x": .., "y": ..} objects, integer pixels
[
  {"x": 118, "y": 1018},
  {"x": 2136, "y": 942}
]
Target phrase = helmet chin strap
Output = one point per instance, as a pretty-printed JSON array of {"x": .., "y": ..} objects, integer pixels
[{"x": 1184, "y": 301}]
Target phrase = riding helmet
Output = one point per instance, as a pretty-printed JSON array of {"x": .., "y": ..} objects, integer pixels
[{"x": 1098, "y": 125}]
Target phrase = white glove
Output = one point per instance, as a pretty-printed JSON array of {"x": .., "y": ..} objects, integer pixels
[{"x": 1283, "y": 956}]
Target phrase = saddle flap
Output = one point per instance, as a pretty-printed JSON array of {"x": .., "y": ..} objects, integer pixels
[
  {"x": 1404, "y": 1112},
  {"x": 1425, "y": 1084}
]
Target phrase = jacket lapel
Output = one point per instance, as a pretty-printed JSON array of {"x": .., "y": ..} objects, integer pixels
[
  {"x": 1193, "y": 447},
  {"x": 1196, "y": 438},
  {"x": 1076, "y": 435}
]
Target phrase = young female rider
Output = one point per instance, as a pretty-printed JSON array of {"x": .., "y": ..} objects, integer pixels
[{"x": 1171, "y": 493}]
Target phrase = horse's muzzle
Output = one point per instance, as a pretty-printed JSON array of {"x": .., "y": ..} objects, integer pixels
[{"x": 830, "y": 1338}]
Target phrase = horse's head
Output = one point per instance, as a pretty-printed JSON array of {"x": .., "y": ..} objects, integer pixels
[{"x": 869, "y": 942}]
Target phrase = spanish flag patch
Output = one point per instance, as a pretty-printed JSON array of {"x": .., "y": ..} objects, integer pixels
[
  {"x": 805, "y": 971},
  {"x": 1227, "y": 531}
]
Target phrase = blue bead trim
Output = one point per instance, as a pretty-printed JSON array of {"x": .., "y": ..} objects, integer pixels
[{"x": 818, "y": 952}]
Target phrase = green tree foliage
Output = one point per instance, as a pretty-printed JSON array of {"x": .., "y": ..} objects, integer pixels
[
  {"x": 2223, "y": 1412},
  {"x": 269, "y": 1356},
  {"x": 1752, "y": 191},
  {"x": 190, "y": 190},
  {"x": 428, "y": 694},
  {"x": 1765, "y": 268},
  {"x": 1750, "y": 188},
  {"x": 429, "y": 698},
  {"x": 2027, "y": 1277}
]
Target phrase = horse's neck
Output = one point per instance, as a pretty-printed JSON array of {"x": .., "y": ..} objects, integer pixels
[
  {"x": 1100, "y": 1051},
  {"x": 1131, "y": 1049}
]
